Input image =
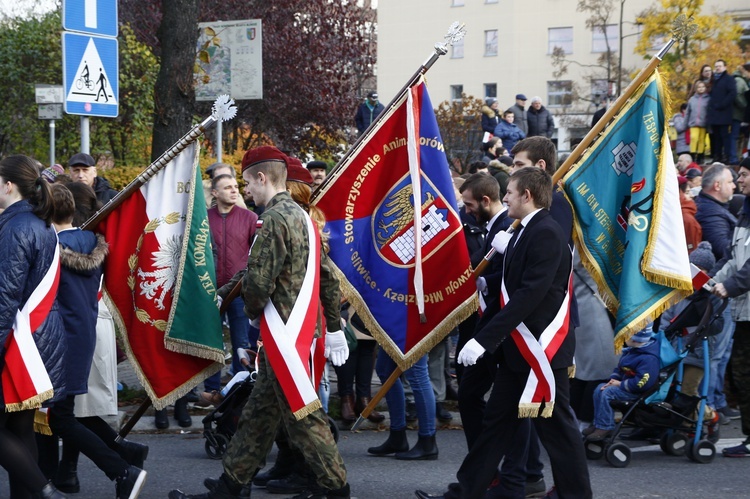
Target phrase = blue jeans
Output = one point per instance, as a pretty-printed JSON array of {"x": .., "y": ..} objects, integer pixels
[
  {"x": 604, "y": 415},
  {"x": 324, "y": 390},
  {"x": 424, "y": 398},
  {"x": 239, "y": 331},
  {"x": 722, "y": 349}
]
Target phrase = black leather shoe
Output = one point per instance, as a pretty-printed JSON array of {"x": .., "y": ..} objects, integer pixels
[
  {"x": 421, "y": 494},
  {"x": 213, "y": 483},
  {"x": 396, "y": 443},
  {"x": 424, "y": 450},
  {"x": 133, "y": 452},
  {"x": 66, "y": 479},
  {"x": 50, "y": 492},
  {"x": 275, "y": 473},
  {"x": 319, "y": 493},
  {"x": 181, "y": 413},
  {"x": 291, "y": 484},
  {"x": 161, "y": 420},
  {"x": 130, "y": 484}
]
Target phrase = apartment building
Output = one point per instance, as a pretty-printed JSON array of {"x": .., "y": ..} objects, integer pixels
[{"x": 507, "y": 50}]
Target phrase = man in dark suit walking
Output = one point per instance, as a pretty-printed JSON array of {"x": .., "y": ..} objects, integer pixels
[{"x": 523, "y": 334}]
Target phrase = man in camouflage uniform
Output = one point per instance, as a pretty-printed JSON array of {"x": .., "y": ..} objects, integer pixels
[{"x": 275, "y": 271}]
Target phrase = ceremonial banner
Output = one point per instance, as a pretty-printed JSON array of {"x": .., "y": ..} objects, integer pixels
[
  {"x": 627, "y": 218},
  {"x": 369, "y": 208},
  {"x": 159, "y": 281}
]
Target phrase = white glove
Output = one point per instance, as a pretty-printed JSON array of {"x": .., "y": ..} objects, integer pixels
[
  {"x": 470, "y": 353},
  {"x": 219, "y": 301},
  {"x": 337, "y": 351},
  {"x": 501, "y": 240},
  {"x": 481, "y": 284}
]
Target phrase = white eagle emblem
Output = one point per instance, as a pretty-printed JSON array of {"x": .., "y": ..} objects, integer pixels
[{"x": 167, "y": 261}]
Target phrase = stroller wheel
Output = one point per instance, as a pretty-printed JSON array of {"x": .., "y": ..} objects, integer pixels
[
  {"x": 216, "y": 445},
  {"x": 334, "y": 429},
  {"x": 594, "y": 449},
  {"x": 618, "y": 455},
  {"x": 673, "y": 443},
  {"x": 703, "y": 452}
]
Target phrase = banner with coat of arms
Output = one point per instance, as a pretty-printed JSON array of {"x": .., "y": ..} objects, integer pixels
[
  {"x": 627, "y": 216},
  {"x": 410, "y": 289},
  {"x": 159, "y": 281}
]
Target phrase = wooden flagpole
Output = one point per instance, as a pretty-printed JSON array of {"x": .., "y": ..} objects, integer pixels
[{"x": 682, "y": 27}]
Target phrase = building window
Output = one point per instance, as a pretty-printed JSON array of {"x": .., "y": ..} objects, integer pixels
[
  {"x": 490, "y": 90},
  {"x": 456, "y": 91},
  {"x": 457, "y": 3},
  {"x": 602, "y": 38},
  {"x": 560, "y": 37},
  {"x": 559, "y": 93},
  {"x": 490, "y": 42},
  {"x": 457, "y": 49},
  {"x": 490, "y": 1}
]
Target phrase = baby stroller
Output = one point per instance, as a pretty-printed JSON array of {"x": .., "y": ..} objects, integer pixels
[
  {"x": 220, "y": 425},
  {"x": 664, "y": 408}
]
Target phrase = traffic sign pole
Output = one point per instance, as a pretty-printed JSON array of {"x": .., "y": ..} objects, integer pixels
[
  {"x": 51, "y": 142},
  {"x": 85, "y": 135}
]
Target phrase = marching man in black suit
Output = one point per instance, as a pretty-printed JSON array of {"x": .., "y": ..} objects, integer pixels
[{"x": 531, "y": 327}]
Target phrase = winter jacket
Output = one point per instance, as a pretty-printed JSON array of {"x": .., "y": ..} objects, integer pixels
[
  {"x": 510, "y": 133},
  {"x": 27, "y": 247},
  {"x": 104, "y": 192},
  {"x": 502, "y": 175},
  {"x": 716, "y": 222},
  {"x": 693, "y": 231},
  {"x": 540, "y": 122},
  {"x": 490, "y": 119},
  {"x": 734, "y": 270},
  {"x": 82, "y": 257},
  {"x": 680, "y": 126},
  {"x": 720, "y": 103},
  {"x": 366, "y": 114},
  {"x": 740, "y": 100},
  {"x": 695, "y": 114},
  {"x": 520, "y": 119},
  {"x": 231, "y": 237},
  {"x": 638, "y": 369}
]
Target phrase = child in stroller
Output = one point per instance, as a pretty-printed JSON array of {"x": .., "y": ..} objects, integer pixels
[{"x": 678, "y": 416}]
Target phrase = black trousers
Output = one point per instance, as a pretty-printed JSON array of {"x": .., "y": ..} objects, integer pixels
[
  {"x": 18, "y": 453},
  {"x": 523, "y": 461},
  {"x": 65, "y": 425},
  {"x": 500, "y": 427}
]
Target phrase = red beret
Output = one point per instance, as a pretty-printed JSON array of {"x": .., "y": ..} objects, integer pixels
[
  {"x": 297, "y": 173},
  {"x": 261, "y": 154}
]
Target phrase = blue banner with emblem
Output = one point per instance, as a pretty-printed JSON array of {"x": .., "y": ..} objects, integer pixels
[
  {"x": 369, "y": 208},
  {"x": 628, "y": 223}
]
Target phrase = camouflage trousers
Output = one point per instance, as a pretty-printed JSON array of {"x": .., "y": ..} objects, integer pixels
[
  {"x": 740, "y": 365},
  {"x": 266, "y": 409}
]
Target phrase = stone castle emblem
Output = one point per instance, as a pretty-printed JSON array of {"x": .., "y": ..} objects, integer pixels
[{"x": 395, "y": 226}]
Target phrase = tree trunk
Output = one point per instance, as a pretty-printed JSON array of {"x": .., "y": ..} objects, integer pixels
[{"x": 174, "y": 95}]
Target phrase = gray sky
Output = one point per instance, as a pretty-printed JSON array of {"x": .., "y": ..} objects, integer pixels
[{"x": 24, "y": 8}]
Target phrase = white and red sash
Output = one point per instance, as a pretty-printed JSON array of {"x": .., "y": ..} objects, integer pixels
[
  {"x": 288, "y": 345},
  {"x": 540, "y": 385},
  {"x": 25, "y": 381}
]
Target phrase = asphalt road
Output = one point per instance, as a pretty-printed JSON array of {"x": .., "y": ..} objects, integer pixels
[{"x": 178, "y": 460}]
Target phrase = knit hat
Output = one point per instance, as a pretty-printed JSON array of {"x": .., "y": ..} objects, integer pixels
[
  {"x": 506, "y": 160},
  {"x": 702, "y": 256},
  {"x": 490, "y": 100},
  {"x": 51, "y": 173},
  {"x": 262, "y": 154},
  {"x": 295, "y": 172},
  {"x": 644, "y": 335}
]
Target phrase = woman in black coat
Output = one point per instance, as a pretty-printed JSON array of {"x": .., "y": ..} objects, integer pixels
[{"x": 27, "y": 251}]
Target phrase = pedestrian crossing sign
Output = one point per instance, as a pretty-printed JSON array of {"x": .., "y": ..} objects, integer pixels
[{"x": 90, "y": 75}]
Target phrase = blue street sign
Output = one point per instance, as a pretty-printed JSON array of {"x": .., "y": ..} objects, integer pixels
[
  {"x": 98, "y": 17},
  {"x": 90, "y": 73}
]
